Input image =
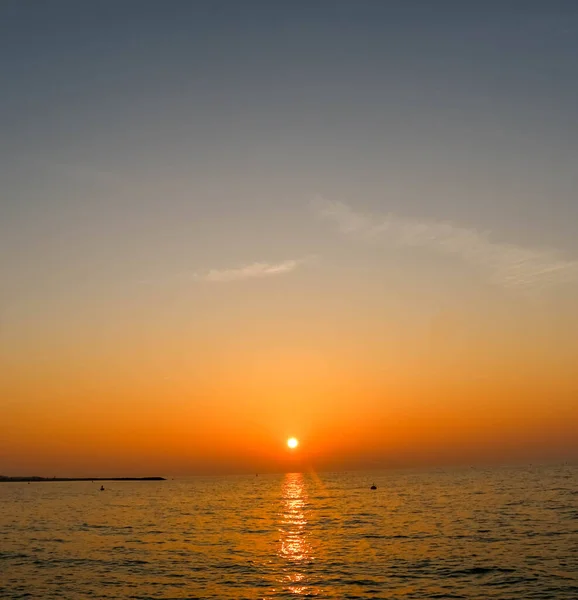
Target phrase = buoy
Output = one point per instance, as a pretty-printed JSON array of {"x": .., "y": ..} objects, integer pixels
[{"x": 373, "y": 487}]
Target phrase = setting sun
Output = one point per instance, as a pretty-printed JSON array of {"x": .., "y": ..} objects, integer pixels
[{"x": 293, "y": 442}]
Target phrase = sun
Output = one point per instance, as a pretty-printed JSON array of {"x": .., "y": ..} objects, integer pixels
[{"x": 293, "y": 442}]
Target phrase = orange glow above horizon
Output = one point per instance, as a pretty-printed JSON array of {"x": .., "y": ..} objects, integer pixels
[{"x": 356, "y": 396}]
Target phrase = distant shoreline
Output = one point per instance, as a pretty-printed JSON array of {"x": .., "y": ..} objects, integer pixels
[{"x": 43, "y": 479}]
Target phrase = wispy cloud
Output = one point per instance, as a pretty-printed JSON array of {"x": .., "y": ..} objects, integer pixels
[
  {"x": 251, "y": 271},
  {"x": 256, "y": 270},
  {"x": 508, "y": 265}
]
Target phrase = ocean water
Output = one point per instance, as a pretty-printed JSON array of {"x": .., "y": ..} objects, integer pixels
[{"x": 472, "y": 533}]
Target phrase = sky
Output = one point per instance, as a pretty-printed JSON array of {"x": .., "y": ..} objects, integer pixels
[{"x": 226, "y": 223}]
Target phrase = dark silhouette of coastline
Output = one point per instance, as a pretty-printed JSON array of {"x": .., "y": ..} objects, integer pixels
[{"x": 42, "y": 479}]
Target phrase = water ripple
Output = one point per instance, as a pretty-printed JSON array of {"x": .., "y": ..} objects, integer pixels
[{"x": 475, "y": 534}]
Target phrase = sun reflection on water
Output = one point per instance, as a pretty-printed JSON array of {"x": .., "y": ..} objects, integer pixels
[{"x": 295, "y": 548}]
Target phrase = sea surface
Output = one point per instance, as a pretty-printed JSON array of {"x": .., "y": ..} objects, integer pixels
[{"x": 470, "y": 533}]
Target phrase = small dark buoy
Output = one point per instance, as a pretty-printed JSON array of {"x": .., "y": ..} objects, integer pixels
[
  {"x": 373, "y": 487},
  {"x": 102, "y": 488}
]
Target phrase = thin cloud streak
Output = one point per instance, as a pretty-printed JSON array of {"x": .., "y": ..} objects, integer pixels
[
  {"x": 252, "y": 271},
  {"x": 508, "y": 265}
]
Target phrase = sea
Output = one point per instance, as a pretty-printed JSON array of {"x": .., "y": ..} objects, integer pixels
[{"x": 503, "y": 533}]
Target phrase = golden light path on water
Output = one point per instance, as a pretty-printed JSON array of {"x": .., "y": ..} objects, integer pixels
[{"x": 294, "y": 546}]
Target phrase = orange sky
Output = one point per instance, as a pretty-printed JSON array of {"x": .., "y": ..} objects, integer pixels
[{"x": 370, "y": 391}]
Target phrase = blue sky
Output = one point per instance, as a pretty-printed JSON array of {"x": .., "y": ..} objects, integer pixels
[{"x": 215, "y": 121}]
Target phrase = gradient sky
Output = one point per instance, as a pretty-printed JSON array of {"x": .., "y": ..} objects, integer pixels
[{"x": 224, "y": 223}]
